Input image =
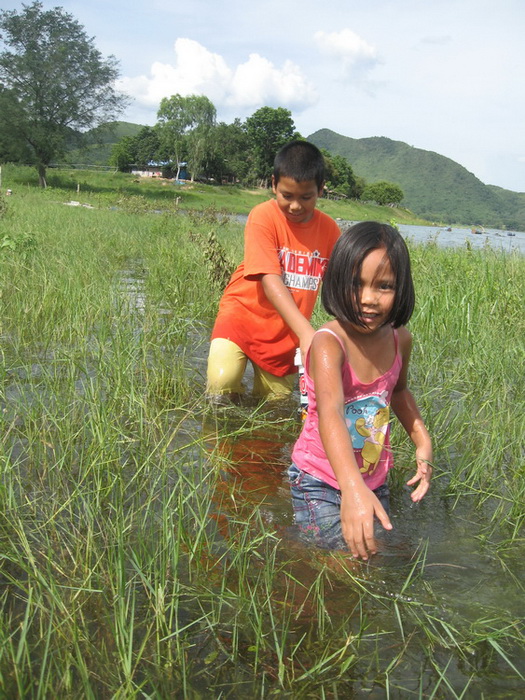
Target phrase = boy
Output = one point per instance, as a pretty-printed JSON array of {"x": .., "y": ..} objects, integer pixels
[{"x": 264, "y": 314}]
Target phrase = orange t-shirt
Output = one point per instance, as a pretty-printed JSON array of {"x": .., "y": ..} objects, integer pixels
[{"x": 273, "y": 245}]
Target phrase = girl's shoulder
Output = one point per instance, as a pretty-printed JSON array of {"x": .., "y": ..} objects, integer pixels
[
  {"x": 331, "y": 328},
  {"x": 329, "y": 335}
]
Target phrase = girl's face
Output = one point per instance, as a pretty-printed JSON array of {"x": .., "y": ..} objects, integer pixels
[{"x": 376, "y": 290}]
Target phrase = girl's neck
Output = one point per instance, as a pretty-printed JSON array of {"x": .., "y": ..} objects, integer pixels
[
  {"x": 370, "y": 354},
  {"x": 362, "y": 336}
]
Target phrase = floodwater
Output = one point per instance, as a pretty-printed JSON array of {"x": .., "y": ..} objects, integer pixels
[
  {"x": 435, "y": 567},
  {"x": 435, "y": 562},
  {"x": 436, "y": 546}
]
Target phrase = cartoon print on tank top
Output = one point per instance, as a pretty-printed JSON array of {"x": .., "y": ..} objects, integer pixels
[{"x": 367, "y": 421}]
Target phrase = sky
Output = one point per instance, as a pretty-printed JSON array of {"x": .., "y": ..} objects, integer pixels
[{"x": 442, "y": 75}]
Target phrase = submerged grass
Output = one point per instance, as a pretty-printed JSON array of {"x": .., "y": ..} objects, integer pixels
[{"x": 146, "y": 546}]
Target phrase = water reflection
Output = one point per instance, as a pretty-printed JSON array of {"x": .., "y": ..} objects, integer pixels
[{"x": 434, "y": 577}]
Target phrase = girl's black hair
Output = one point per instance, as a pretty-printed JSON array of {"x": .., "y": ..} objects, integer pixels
[
  {"x": 301, "y": 161},
  {"x": 339, "y": 293}
]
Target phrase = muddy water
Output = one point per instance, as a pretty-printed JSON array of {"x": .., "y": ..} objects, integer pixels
[
  {"x": 435, "y": 564},
  {"x": 434, "y": 569}
]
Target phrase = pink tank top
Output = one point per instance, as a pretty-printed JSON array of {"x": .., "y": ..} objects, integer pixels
[{"x": 367, "y": 415}]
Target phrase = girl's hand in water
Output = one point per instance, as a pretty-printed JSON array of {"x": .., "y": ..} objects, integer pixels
[
  {"x": 358, "y": 508},
  {"x": 423, "y": 474}
]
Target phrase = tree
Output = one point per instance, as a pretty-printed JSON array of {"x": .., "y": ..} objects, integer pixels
[
  {"x": 383, "y": 193},
  {"x": 147, "y": 146},
  {"x": 228, "y": 152},
  {"x": 123, "y": 154},
  {"x": 359, "y": 187},
  {"x": 340, "y": 177},
  {"x": 268, "y": 131},
  {"x": 178, "y": 117},
  {"x": 53, "y": 82},
  {"x": 11, "y": 150}
]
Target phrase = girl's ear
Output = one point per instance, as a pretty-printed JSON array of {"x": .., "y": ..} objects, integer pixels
[
  {"x": 274, "y": 185},
  {"x": 321, "y": 189}
]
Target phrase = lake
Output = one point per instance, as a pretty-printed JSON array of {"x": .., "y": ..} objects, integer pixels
[
  {"x": 452, "y": 236},
  {"x": 455, "y": 237}
]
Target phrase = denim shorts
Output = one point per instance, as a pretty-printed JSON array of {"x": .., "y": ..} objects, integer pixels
[{"x": 317, "y": 508}]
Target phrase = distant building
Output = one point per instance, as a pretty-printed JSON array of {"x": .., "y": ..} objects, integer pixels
[
  {"x": 156, "y": 170},
  {"x": 146, "y": 170}
]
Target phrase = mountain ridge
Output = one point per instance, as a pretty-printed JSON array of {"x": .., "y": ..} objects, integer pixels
[{"x": 436, "y": 187}]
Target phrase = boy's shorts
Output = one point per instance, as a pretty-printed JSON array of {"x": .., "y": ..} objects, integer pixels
[{"x": 226, "y": 367}]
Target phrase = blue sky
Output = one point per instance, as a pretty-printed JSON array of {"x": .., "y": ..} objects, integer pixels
[{"x": 445, "y": 76}]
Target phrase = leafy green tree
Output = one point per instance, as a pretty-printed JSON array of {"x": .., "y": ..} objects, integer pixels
[
  {"x": 147, "y": 146},
  {"x": 340, "y": 177},
  {"x": 197, "y": 146},
  {"x": 228, "y": 153},
  {"x": 383, "y": 193},
  {"x": 123, "y": 154},
  {"x": 180, "y": 116},
  {"x": 142, "y": 149},
  {"x": 268, "y": 130},
  {"x": 54, "y": 82},
  {"x": 11, "y": 150},
  {"x": 359, "y": 187}
]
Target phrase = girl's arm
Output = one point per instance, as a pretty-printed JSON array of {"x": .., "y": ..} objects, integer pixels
[
  {"x": 405, "y": 407},
  {"x": 281, "y": 299},
  {"x": 358, "y": 503}
]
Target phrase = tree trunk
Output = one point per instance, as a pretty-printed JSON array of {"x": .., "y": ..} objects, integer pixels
[{"x": 41, "y": 175}]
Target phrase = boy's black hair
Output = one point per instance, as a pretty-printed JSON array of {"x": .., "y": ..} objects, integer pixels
[
  {"x": 301, "y": 161},
  {"x": 339, "y": 293}
]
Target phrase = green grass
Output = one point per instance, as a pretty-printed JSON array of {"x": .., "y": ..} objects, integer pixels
[
  {"x": 144, "y": 538},
  {"x": 121, "y": 189}
]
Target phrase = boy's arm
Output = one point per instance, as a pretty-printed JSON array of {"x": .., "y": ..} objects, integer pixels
[
  {"x": 404, "y": 406},
  {"x": 281, "y": 299}
]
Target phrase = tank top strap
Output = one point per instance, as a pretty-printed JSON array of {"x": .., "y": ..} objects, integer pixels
[
  {"x": 324, "y": 330},
  {"x": 329, "y": 330}
]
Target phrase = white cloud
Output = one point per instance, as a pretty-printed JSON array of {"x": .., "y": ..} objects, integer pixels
[
  {"x": 348, "y": 48},
  {"x": 258, "y": 82},
  {"x": 196, "y": 70}
]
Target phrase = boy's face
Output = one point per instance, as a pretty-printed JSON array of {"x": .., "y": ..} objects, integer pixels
[{"x": 296, "y": 200}]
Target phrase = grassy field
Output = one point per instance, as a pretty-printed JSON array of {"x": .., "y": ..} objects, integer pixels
[
  {"x": 146, "y": 540},
  {"x": 110, "y": 188}
]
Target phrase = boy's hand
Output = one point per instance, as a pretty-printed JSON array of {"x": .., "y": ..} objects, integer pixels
[
  {"x": 358, "y": 508},
  {"x": 304, "y": 343},
  {"x": 423, "y": 474}
]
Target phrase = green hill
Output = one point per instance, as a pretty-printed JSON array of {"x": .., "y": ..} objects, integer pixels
[
  {"x": 436, "y": 188},
  {"x": 100, "y": 141}
]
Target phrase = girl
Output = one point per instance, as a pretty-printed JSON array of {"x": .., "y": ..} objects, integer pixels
[{"x": 356, "y": 370}]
